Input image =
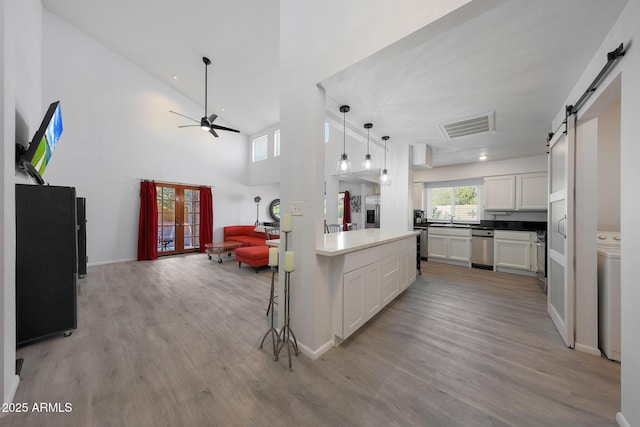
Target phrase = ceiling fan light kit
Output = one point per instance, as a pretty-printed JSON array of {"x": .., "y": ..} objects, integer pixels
[
  {"x": 344, "y": 165},
  {"x": 206, "y": 122}
]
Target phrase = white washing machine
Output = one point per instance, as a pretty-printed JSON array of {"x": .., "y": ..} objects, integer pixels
[{"x": 609, "y": 294}]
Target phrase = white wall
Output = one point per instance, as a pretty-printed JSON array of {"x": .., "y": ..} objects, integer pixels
[
  {"x": 265, "y": 171},
  {"x": 625, "y": 30},
  {"x": 587, "y": 177},
  {"x": 118, "y": 130},
  {"x": 20, "y": 115},
  {"x": 482, "y": 169},
  {"x": 608, "y": 167}
]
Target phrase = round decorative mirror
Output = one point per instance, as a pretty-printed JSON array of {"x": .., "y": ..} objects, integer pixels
[{"x": 274, "y": 210}]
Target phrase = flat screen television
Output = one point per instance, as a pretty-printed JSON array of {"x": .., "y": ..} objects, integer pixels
[{"x": 37, "y": 156}]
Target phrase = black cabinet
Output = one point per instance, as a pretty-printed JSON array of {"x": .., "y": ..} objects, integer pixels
[
  {"x": 46, "y": 261},
  {"x": 81, "y": 216}
]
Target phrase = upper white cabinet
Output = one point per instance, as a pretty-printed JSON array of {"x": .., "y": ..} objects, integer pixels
[
  {"x": 500, "y": 192},
  {"x": 532, "y": 191},
  {"x": 417, "y": 195},
  {"x": 525, "y": 192}
]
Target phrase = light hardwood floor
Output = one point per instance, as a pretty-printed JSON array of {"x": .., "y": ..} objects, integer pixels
[{"x": 174, "y": 342}]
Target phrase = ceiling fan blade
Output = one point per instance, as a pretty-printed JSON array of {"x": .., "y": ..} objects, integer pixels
[
  {"x": 213, "y": 132},
  {"x": 186, "y": 117},
  {"x": 212, "y": 117},
  {"x": 188, "y": 126},
  {"x": 224, "y": 128}
]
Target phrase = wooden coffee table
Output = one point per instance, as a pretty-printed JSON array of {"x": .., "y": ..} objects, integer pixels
[{"x": 221, "y": 247}]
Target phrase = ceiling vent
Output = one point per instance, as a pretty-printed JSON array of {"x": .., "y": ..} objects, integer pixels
[{"x": 472, "y": 126}]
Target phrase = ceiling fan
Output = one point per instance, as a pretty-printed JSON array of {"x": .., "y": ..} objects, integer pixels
[{"x": 206, "y": 122}]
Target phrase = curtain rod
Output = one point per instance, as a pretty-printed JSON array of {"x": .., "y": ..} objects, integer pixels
[{"x": 176, "y": 183}]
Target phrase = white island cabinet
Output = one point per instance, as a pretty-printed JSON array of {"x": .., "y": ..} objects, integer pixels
[{"x": 371, "y": 268}]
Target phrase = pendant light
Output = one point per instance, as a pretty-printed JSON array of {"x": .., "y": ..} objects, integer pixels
[
  {"x": 344, "y": 165},
  {"x": 384, "y": 177},
  {"x": 367, "y": 163}
]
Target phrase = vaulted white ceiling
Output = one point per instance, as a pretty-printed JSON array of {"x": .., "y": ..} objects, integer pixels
[{"x": 519, "y": 59}]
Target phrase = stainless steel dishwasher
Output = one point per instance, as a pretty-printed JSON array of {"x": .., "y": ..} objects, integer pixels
[{"x": 482, "y": 249}]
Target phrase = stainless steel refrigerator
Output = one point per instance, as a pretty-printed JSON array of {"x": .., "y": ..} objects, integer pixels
[{"x": 372, "y": 211}]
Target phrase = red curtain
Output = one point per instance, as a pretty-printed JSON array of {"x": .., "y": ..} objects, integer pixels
[
  {"x": 206, "y": 217},
  {"x": 346, "y": 216},
  {"x": 148, "y": 226}
]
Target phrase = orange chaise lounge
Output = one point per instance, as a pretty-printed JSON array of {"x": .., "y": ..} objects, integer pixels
[{"x": 255, "y": 251}]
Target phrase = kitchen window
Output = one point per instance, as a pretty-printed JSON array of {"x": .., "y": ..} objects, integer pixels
[{"x": 457, "y": 203}]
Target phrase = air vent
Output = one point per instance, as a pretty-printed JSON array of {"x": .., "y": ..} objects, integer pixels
[{"x": 472, "y": 126}]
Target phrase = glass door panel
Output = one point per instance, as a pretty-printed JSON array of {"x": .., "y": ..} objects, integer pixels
[
  {"x": 178, "y": 219},
  {"x": 560, "y": 281}
]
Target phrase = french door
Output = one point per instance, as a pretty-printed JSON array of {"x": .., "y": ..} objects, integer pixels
[
  {"x": 560, "y": 233},
  {"x": 178, "y": 219}
]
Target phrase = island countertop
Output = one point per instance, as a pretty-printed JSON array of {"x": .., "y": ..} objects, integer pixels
[{"x": 350, "y": 241}]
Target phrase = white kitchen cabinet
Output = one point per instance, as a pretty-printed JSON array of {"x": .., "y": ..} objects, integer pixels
[
  {"x": 514, "y": 250},
  {"x": 390, "y": 278},
  {"x": 354, "y": 292},
  {"x": 372, "y": 290},
  {"x": 524, "y": 192},
  {"x": 437, "y": 246},
  {"x": 449, "y": 245},
  {"x": 532, "y": 192},
  {"x": 417, "y": 195},
  {"x": 500, "y": 192},
  {"x": 372, "y": 278},
  {"x": 460, "y": 249}
]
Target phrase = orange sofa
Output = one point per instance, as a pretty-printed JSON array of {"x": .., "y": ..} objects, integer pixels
[{"x": 245, "y": 235}]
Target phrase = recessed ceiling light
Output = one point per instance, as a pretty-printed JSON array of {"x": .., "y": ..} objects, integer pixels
[
  {"x": 175, "y": 77},
  {"x": 222, "y": 109},
  {"x": 483, "y": 157}
]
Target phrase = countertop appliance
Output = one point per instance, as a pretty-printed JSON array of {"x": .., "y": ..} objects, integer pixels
[
  {"x": 482, "y": 248},
  {"x": 541, "y": 259},
  {"x": 609, "y": 294},
  {"x": 424, "y": 238}
]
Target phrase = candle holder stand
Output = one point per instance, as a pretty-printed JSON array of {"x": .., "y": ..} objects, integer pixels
[
  {"x": 286, "y": 333},
  {"x": 272, "y": 330}
]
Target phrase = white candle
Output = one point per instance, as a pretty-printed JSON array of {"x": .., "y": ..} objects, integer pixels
[
  {"x": 273, "y": 257},
  {"x": 285, "y": 222},
  {"x": 289, "y": 261}
]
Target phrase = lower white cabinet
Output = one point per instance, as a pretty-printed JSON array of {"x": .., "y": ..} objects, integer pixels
[
  {"x": 369, "y": 287},
  {"x": 449, "y": 244},
  {"x": 515, "y": 250}
]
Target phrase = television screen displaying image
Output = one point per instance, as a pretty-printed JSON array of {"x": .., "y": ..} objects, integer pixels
[{"x": 45, "y": 140}]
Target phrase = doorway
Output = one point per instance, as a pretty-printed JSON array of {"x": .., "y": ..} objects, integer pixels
[{"x": 178, "y": 219}]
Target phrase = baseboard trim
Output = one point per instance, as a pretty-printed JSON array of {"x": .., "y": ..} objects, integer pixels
[
  {"x": 115, "y": 261},
  {"x": 588, "y": 349},
  {"x": 622, "y": 421},
  {"x": 315, "y": 354}
]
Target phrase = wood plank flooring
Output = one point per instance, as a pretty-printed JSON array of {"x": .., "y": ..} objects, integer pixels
[{"x": 174, "y": 342}]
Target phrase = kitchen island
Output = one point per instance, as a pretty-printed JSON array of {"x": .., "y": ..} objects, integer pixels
[{"x": 367, "y": 269}]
